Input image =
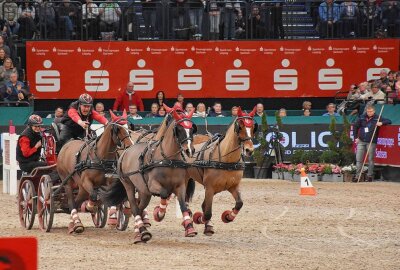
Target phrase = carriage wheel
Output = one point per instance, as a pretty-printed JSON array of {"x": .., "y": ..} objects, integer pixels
[
  {"x": 45, "y": 203},
  {"x": 27, "y": 204},
  {"x": 122, "y": 217},
  {"x": 100, "y": 217}
]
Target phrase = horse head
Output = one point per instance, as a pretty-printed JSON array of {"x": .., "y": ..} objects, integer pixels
[
  {"x": 120, "y": 133},
  {"x": 184, "y": 128},
  {"x": 245, "y": 127}
]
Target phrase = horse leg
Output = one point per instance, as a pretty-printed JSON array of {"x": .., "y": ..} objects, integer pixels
[
  {"x": 75, "y": 225},
  {"x": 187, "y": 223},
  {"x": 160, "y": 210},
  {"x": 205, "y": 217},
  {"x": 92, "y": 204},
  {"x": 141, "y": 235},
  {"x": 229, "y": 215},
  {"x": 142, "y": 206}
]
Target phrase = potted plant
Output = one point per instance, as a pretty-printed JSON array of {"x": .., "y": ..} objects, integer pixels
[
  {"x": 279, "y": 170},
  {"x": 332, "y": 173},
  {"x": 314, "y": 171},
  {"x": 349, "y": 172}
]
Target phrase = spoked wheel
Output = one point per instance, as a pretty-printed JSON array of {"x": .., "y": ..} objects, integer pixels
[
  {"x": 100, "y": 217},
  {"x": 27, "y": 204},
  {"x": 45, "y": 203},
  {"x": 122, "y": 217}
]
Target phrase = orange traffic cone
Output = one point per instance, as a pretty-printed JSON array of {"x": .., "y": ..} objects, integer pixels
[{"x": 306, "y": 187}]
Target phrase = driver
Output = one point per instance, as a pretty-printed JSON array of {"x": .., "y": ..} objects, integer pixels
[
  {"x": 30, "y": 145},
  {"x": 77, "y": 120}
]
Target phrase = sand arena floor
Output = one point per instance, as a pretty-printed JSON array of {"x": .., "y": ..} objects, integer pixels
[{"x": 346, "y": 226}]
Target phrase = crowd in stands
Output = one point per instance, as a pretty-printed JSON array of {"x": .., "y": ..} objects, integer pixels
[
  {"x": 184, "y": 19},
  {"x": 386, "y": 89}
]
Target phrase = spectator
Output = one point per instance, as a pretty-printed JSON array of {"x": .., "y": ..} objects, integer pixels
[
  {"x": 331, "y": 107},
  {"x": 133, "y": 113},
  {"x": 391, "y": 16},
  {"x": 306, "y": 112},
  {"x": 5, "y": 71},
  {"x": 217, "y": 110},
  {"x": 9, "y": 13},
  {"x": 153, "y": 111},
  {"x": 282, "y": 112},
  {"x": 181, "y": 100},
  {"x": 29, "y": 145},
  {"x": 306, "y": 105},
  {"x": 277, "y": 21},
  {"x": 196, "y": 10},
  {"x": 149, "y": 14},
  {"x": 160, "y": 98},
  {"x": 375, "y": 95},
  {"x": 67, "y": 17},
  {"x": 126, "y": 98},
  {"x": 214, "y": 18},
  {"x": 391, "y": 79},
  {"x": 189, "y": 107},
  {"x": 99, "y": 107},
  {"x": 363, "y": 88},
  {"x": 161, "y": 112},
  {"x": 229, "y": 19},
  {"x": 363, "y": 132},
  {"x": 110, "y": 13},
  {"x": 240, "y": 25},
  {"x": 200, "y": 110},
  {"x": 26, "y": 17},
  {"x": 255, "y": 26},
  {"x": 58, "y": 115},
  {"x": 4, "y": 47},
  {"x": 383, "y": 80},
  {"x": 180, "y": 10},
  {"x": 329, "y": 14},
  {"x": 15, "y": 90},
  {"x": 3, "y": 57},
  {"x": 47, "y": 19},
  {"x": 259, "y": 110},
  {"x": 90, "y": 13},
  {"x": 397, "y": 84},
  {"x": 371, "y": 13},
  {"x": 391, "y": 95},
  {"x": 349, "y": 15},
  {"x": 234, "y": 111}
]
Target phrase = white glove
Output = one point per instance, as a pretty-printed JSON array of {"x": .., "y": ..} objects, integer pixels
[{"x": 83, "y": 124}]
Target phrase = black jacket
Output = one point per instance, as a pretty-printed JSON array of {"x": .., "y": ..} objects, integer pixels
[
  {"x": 33, "y": 138},
  {"x": 75, "y": 129},
  {"x": 363, "y": 122}
]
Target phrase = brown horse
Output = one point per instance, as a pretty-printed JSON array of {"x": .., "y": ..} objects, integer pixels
[
  {"x": 84, "y": 164},
  {"x": 218, "y": 166},
  {"x": 156, "y": 168}
]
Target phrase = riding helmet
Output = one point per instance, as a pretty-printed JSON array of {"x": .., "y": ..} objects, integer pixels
[
  {"x": 85, "y": 99},
  {"x": 35, "y": 120}
]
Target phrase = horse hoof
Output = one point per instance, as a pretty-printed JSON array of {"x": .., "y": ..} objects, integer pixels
[
  {"x": 156, "y": 214},
  {"x": 209, "y": 230},
  {"x": 146, "y": 236},
  {"x": 190, "y": 232},
  {"x": 197, "y": 217},
  {"x": 78, "y": 228},
  {"x": 225, "y": 216},
  {"x": 138, "y": 239}
]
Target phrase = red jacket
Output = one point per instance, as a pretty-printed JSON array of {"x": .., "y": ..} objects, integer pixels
[
  {"x": 73, "y": 113},
  {"x": 122, "y": 102}
]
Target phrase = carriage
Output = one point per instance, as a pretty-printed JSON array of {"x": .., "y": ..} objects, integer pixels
[{"x": 42, "y": 193}]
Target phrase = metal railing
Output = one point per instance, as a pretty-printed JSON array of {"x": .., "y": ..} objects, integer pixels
[{"x": 198, "y": 19}]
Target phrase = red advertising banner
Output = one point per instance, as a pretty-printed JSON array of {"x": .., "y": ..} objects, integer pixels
[
  {"x": 223, "y": 69},
  {"x": 388, "y": 146}
]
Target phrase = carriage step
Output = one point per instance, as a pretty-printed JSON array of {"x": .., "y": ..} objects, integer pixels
[{"x": 111, "y": 175}]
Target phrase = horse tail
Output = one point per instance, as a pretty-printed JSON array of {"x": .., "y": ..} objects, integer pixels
[
  {"x": 191, "y": 185},
  {"x": 115, "y": 194}
]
